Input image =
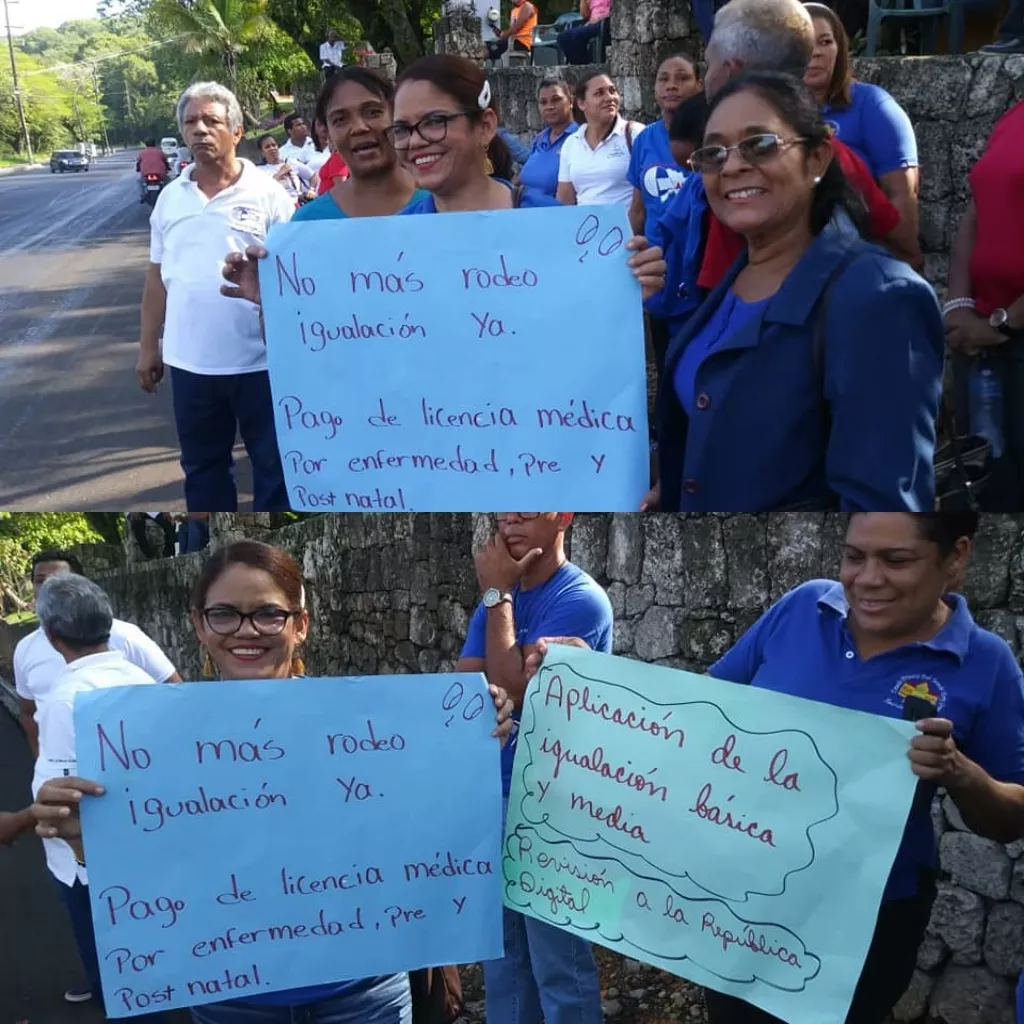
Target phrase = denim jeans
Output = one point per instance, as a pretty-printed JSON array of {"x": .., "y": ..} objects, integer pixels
[
  {"x": 207, "y": 411},
  {"x": 383, "y": 1000},
  {"x": 546, "y": 974},
  {"x": 76, "y": 900}
]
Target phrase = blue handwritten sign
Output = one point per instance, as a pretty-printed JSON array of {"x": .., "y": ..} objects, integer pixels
[
  {"x": 734, "y": 836},
  {"x": 458, "y": 363},
  {"x": 263, "y": 836}
]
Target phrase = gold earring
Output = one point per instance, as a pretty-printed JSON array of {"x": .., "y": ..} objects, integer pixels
[
  {"x": 488, "y": 166},
  {"x": 208, "y": 670},
  {"x": 298, "y": 666}
]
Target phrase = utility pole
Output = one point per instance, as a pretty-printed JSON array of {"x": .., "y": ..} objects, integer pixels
[
  {"x": 99, "y": 108},
  {"x": 14, "y": 80}
]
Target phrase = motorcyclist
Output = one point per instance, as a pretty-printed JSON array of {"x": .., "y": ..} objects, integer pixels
[{"x": 151, "y": 160}]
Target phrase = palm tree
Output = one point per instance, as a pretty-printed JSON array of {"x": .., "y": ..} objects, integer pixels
[{"x": 220, "y": 28}]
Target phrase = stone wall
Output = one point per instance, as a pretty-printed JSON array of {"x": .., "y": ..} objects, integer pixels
[
  {"x": 393, "y": 594},
  {"x": 953, "y": 102}
]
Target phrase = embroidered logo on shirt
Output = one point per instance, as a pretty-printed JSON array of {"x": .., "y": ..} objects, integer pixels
[
  {"x": 926, "y": 687},
  {"x": 248, "y": 219},
  {"x": 663, "y": 182}
]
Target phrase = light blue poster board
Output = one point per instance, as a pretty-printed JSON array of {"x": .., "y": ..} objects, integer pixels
[
  {"x": 461, "y": 362},
  {"x": 733, "y": 836},
  {"x": 263, "y": 836}
]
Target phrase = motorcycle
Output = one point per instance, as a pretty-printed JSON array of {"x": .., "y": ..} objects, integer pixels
[{"x": 153, "y": 185}]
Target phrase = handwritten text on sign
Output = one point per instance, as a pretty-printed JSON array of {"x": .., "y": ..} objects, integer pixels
[
  {"x": 702, "y": 827},
  {"x": 262, "y": 836},
  {"x": 461, "y": 362}
]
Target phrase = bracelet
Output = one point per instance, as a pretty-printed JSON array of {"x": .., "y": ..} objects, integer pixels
[{"x": 948, "y": 307}]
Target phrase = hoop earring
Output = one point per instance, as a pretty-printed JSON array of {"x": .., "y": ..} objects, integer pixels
[{"x": 208, "y": 668}]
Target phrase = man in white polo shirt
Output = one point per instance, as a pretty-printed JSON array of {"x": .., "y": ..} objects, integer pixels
[
  {"x": 213, "y": 345},
  {"x": 76, "y": 621},
  {"x": 300, "y": 145},
  {"x": 332, "y": 54},
  {"x": 38, "y": 666}
]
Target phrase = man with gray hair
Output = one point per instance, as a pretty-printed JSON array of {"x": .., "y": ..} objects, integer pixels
[
  {"x": 76, "y": 617},
  {"x": 753, "y": 35},
  {"x": 213, "y": 345}
]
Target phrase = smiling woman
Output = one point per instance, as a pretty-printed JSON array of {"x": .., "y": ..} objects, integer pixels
[{"x": 892, "y": 637}]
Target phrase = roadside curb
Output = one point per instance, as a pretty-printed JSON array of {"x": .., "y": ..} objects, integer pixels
[
  {"x": 20, "y": 168},
  {"x": 9, "y": 698}
]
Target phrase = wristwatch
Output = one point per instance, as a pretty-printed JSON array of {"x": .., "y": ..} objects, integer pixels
[
  {"x": 1000, "y": 321},
  {"x": 493, "y": 597}
]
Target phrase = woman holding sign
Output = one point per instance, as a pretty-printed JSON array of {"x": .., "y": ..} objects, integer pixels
[
  {"x": 249, "y": 613},
  {"x": 892, "y": 637}
]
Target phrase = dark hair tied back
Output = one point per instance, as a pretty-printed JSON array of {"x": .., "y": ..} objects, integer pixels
[
  {"x": 464, "y": 81},
  {"x": 795, "y": 106},
  {"x": 946, "y": 528}
]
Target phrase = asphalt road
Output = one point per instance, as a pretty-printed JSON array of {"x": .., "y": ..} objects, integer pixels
[{"x": 76, "y": 431}]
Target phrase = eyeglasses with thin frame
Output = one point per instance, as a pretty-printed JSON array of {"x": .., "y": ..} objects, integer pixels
[
  {"x": 753, "y": 150},
  {"x": 432, "y": 128},
  {"x": 526, "y": 516},
  {"x": 225, "y": 620}
]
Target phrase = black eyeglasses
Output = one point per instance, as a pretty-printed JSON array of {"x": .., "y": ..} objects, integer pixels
[
  {"x": 225, "y": 620},
  {"x": 432, "y": 128},
  {"x": 503, "y": 516},
  {"x": 757, "y": 149}
]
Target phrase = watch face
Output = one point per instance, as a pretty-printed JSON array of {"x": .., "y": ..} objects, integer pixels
[
  {"x": 491, "y": 597},
  {"x": 998, "y": 318}
]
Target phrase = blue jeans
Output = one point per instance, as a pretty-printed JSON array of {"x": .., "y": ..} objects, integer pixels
[
  {"x": 383, "y": 1000},
  {"x": 207, "y": 411},
  {"x": 575, "y": 42},
  {"x": 546, "y": 974},
  {"x": 76, "y": 900}
]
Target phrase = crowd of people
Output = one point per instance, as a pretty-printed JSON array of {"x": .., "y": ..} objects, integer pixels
[
  {"x": 893, "y": 614},
  {"x": 800, "y": 355}
]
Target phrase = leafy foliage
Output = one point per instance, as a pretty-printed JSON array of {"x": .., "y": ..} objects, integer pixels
[{"x": 22, "y": 534}]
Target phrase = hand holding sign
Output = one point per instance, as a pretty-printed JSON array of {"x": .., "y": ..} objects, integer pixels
[
  {"x": 440, "y": 363},
  {"x": 701, "y": 826}
]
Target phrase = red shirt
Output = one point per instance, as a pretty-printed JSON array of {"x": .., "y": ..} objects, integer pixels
[
  {"x": 151, "y": 161},
  {"x": 997, "y": 187},
  {"x": 723, "y": 245},
  {"x": 334, "y": 167}
]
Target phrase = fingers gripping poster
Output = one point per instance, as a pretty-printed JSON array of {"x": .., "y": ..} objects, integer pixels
[
  {"x": 256, "y": 837},
  {"x": 465, "y": 361},
  {"x": 733, "y": 836}
]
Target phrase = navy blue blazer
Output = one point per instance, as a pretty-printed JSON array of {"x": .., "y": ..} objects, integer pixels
[{"x": 777, "y": 428}]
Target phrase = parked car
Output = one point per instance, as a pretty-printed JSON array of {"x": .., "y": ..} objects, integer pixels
[{"x": 68, "y": 160}]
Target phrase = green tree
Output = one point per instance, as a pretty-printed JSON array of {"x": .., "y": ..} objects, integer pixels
[
  {"x": 22, "y": 534},
  {"x": 221, "y": 29}
]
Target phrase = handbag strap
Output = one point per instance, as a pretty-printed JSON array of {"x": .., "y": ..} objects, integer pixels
[{"x": 947, "y": 421}]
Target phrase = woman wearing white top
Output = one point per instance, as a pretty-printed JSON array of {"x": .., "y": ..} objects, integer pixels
[
  {"x": 295, "y": 178},
  {"x": 594, "y": 163}
]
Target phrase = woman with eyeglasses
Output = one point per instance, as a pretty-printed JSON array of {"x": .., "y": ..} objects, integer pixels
[
  {"x": 249, "y": 612},
  {"x": 810, "y": 377}
]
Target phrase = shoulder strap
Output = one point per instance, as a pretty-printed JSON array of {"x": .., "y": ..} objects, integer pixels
[
  {"x": 517, "y": 196},
  {"x": 629, "y": 136}
]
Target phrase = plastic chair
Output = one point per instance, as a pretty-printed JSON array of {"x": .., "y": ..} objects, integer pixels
[{"x": 924, "y": 11}]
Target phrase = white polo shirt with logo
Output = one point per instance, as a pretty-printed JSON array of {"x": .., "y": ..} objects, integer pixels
[
  {"x": 206, "y": 332},
  {"x": 599, "y": 175},
  {"x": 57, "y": 754}
]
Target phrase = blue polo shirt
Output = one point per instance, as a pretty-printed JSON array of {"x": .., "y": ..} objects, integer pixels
[
  {"x": 541, "y": 169},
  {"x": 653, "y": 171},
  {"x": 876, "y": 128},
  {"x": 802, "y": 646},
  {"x": 570, "y": 603},
  {"x": 530, "y": 197},
  {"x": 325, "y": 208}
]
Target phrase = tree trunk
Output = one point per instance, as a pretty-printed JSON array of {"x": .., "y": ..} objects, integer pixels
[{"x": 407, "y": 46}]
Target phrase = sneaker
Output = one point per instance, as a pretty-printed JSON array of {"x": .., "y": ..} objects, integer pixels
[
  {"x": 1014, "y": 45},
  {"x": 77, "y": 995}
]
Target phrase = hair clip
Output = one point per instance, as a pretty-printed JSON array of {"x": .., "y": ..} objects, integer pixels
[{"x": 484, "y": 99}]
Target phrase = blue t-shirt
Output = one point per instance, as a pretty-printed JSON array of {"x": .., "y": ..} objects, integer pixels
[
  {"x": 732, "y": 314},
  {"x": 876, "y": 128},
  {"x": 653, "y": 171},
  {"x": 541, "y": 170},
  {"x": 803, "y": 646},
  {"x": 570, "y": 603},
  {"x": 530, "y": 197},
  {"x": 325, "y": 208}
]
